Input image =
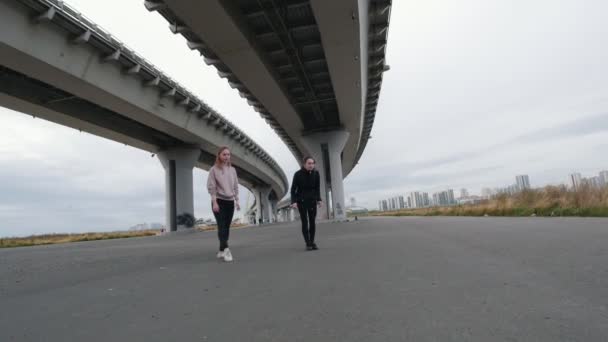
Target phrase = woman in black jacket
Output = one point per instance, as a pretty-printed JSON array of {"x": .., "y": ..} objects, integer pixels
[{"x": 306, "y": 196}]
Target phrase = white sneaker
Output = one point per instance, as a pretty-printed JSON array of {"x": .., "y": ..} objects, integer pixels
[
  {"x": 220, "y": 255},
  {"x": 227, "y": 255}
]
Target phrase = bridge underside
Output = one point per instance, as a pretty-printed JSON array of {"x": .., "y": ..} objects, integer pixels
[
  {"x": 85, "y": 115},
  {"x": 311, "y": 68}
]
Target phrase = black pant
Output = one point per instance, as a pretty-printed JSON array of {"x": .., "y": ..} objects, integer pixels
[
  {"x": 224, "y": 219},
  {"x": 308, "y": 213}
]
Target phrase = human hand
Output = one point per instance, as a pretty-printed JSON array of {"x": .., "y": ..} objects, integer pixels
[
  {"x": 238, "y": 206},
  {"x": 319, "y": 204},
  {"x": 215, "y": 207},
  {"x": 294, "y": 205}
]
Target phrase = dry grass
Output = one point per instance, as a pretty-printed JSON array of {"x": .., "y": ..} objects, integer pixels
[
  {"x": 214, "y": 227},
  {"x": 49, "y": 239},
  {"x": 548, "y": 201}
]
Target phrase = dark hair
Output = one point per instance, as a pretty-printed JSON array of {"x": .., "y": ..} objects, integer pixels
[{"x": 306, "y": 159}]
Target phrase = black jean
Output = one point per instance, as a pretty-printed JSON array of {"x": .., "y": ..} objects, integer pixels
[
  {"x": 308, "y": 214},
  {"x": 223, "y": 219}
]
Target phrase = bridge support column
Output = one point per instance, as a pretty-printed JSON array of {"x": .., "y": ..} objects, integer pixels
[
  {"x": 274, "y": 211},
  {"x": 326, "y": 148},
  {"x": 279, "y": 217},
  {"x": 285, "y": 215},
  {"x": 179, "y": 193},
  {"x": 266, "y": 206},
  {"x": 291, "y": 215},
  {"x": 258, "y": 206}
]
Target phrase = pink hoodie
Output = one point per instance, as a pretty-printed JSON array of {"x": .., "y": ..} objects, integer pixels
[{"x": 223, "y": 183}]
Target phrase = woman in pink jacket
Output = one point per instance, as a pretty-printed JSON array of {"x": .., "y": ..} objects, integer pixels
[{"x": 223, "y": 186}]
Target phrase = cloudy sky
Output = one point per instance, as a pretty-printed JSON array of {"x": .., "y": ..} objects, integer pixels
[{"x": 478, "y": 92}]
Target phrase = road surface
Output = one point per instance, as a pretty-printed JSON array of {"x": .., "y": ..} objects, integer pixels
[{"x": 377, "y": 279}]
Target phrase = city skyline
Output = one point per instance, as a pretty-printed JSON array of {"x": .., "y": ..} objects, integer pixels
[{"x": 522, "y": 182}]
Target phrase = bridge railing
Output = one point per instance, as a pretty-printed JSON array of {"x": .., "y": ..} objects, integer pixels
[{"x": 194, "y": 104}]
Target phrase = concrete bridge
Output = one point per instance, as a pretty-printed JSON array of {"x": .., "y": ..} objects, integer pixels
[
  {"x": 313, "y": 70},
  {"x": 58, "y": 65}
]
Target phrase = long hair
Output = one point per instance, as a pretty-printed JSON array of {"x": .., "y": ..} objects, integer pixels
[{"x": 218, "y": 161}]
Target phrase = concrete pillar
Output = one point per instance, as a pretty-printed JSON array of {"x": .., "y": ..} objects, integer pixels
[
  {"x": 258, "y": 205},
  {"x": 266, "y": 207},
  {"x": 281, "y": 215},
  {"x": 179, "y": 192},
  {"x": 274, "y": 210},
  {"x": 333, "y": 142}
]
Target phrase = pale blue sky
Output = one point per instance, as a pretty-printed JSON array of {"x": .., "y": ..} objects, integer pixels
[{"x": 478, "y": 92}]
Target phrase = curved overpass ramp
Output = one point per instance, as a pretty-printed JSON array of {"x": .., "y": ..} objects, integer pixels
[{"x": 58, "y": 65}]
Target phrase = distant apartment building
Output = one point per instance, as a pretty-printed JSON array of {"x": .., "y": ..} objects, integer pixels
[
  {"x": 594, "y": 182},
  {"x": 486, "y": 193},
  {"x": 464, "y": 193},
  {"x": 401, "y": 202},
  {"x": 425, "y": 199},
  {"x": 382, "y": 205},
  {"x": 604, "y": 177},
  {"x": 393, "y": 203},
  {"x": 576, "y": 180},
  {"x": 444, "y": 198},
  {"x": 523, "y": 182},
  {"x": 416, "y": 200},
  {"x": 451, "y": 198}
]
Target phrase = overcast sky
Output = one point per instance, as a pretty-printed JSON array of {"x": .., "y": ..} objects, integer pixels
[{"x": 478, "y": 92}]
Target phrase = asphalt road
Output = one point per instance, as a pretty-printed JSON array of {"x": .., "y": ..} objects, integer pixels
[{"x": 384, "y": 279}]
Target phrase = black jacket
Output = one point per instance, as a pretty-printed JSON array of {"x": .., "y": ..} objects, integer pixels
[{"x": 306, "y": 186}]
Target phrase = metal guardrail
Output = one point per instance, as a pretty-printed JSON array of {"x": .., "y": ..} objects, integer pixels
[{"x": 92, "y": 30}]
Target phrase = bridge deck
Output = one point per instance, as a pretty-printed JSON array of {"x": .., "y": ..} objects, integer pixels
[{"x": 387, "y": 279}]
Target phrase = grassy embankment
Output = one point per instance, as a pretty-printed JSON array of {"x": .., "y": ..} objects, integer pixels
[
  {"x": 49, "y": 239},
  {"x": 214, "y": 227},
  {"x": 548, "y": 201}
]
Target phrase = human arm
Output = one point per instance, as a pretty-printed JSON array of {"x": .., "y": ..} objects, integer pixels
[
  {"x": 294, "y": 190},
  {"x": 318, "y": 188},
  {"x": 212, "y": 189},
  {"x": 236, "y": 190}
]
